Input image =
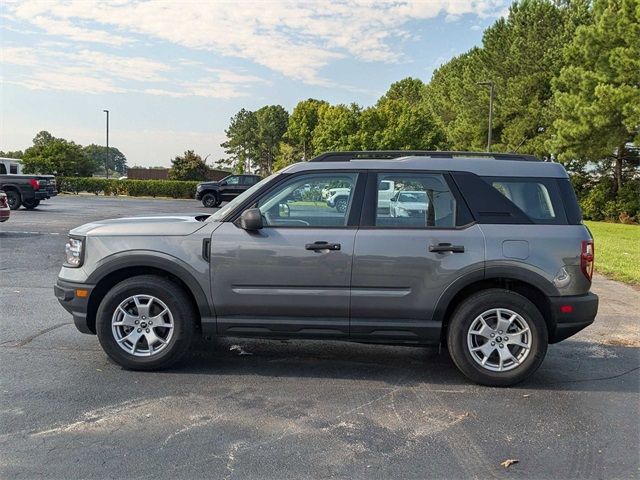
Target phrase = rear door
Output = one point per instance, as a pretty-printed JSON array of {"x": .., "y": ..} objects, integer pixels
[
  {"x": 292, "y": 277},
  {"x": 402, "y": 264}
]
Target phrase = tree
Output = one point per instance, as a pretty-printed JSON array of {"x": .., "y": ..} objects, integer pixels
[
  {"x": 301, "y": 127},
  {"x": 597, "y": 94},
  {"x": 98, "y": 153},
  {"x": 272, "y": 123},
  {"x": 12, "y": 154},
  {"x": 520, "y": 54},
  {"x": 400, "y": 120},
  {"x": 188, "y": 166},
  {"x": 242, "y": 141},
  {"x": 337, "y": 128},
  {"x": 51, "y": 155}
]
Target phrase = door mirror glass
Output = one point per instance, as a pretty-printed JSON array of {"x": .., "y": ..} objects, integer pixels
[
  {"x": 284, "y": 210},
  {"x": 250, "y": 220}
]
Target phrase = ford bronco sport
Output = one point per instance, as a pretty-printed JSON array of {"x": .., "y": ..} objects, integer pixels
[{"x": 491, "y": 260}]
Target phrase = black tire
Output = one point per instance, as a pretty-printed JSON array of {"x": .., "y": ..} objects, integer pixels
[
  {"x": 13, "y": 199},
  {"x": 176, "y": 300},
  {"x": 342, "y": 204},
  {"x": 210, "y": 200},
  {"x": 464, "y": 317},
  {"x": 30, "y": 204}
]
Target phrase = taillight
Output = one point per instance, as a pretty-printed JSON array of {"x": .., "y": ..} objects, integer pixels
[
  {"x": 3, "y": 201},
  {"x": 35, "y": 184},
  {"x": 586, "y": 258}
]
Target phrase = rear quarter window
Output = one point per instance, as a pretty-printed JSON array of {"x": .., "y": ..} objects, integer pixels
[
  {"x": 513, "y": 200},
  {"x": 538, "y": 198}
]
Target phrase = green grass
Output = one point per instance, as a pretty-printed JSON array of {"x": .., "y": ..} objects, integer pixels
[{"x": 617, "y": 250}]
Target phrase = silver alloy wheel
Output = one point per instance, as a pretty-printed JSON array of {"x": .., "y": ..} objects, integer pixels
[
  {"x": 142, "y": 325},
  {"x": 499, "y": 340}
]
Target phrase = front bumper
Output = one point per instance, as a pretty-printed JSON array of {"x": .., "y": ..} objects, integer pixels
[
  {"x": 572, "y": 314},
  {"x": 77, "y": 306},
  {"x": 198, "y": 194}
]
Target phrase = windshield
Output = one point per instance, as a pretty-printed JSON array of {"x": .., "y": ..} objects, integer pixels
[
  {"x": 417, "y": 197},
  {"x": 220, "y": 214}
]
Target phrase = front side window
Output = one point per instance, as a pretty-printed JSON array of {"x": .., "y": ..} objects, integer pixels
[
  {"x": 414, "y": 200},
  {"x": 232, "y": 180},
  {"x": 312, "y": 200}
]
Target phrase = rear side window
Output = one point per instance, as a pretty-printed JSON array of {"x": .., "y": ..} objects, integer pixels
[{"x": 414, "y": 200}]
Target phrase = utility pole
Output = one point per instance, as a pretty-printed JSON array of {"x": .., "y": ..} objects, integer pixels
[
  {"x": 106, "y": 164},
  {"x": 489, "y": 84}
]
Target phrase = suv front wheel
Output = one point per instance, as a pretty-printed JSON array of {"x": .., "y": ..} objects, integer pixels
[
  {"x": 210, "y": 200},
  {"x": 145, "y": 323},
  {"x": 497, "y": 337}
]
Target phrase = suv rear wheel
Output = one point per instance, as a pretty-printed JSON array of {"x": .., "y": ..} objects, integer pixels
[
  {"x": 497, "y": 337},
  {"x": 30, "y": 204},
  {"x": 145, "y": 323},
  {"x": 210, "y": 200}
]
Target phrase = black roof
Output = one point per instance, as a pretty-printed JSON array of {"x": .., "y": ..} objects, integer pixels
[{"x": 391, "y": 154}]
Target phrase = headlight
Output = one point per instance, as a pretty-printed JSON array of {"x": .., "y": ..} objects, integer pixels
[
  {"x": 199, "y": 187},
  {"x": 74, "y": 250}
]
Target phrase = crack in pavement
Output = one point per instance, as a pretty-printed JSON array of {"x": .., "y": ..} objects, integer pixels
[{"x": 31, "y": 338}]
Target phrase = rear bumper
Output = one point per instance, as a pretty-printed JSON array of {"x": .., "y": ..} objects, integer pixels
[
  {"x": 77, "y": 306},
  {"x": 44, "y": 194},
  {"x": 5, "y": 213},
  {"x": 572, "y": 314}
]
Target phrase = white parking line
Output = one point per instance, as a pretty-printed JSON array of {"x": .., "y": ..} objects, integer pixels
[{"x": 30, "y": 233}]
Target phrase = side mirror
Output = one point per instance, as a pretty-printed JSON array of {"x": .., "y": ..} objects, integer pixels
[
  {"x": 250, "y": 220},
  {"x": 223, "y": 183},
  {"x": 284, "y": 210}
]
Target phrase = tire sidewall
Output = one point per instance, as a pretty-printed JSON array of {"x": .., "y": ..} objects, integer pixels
[
  {"x": 210, "y": 200},
  {"x": 30, "y": 204},
  {"x": 13, "y": 199},
  {"x": 469, "y": 310},
  {"x": 173, "y": 297}
]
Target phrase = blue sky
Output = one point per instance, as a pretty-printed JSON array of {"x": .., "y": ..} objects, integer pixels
[{"x": 173, "y": 73}]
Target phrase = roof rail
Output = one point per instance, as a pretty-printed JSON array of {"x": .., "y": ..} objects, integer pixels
[{"x": 391, "y": 154}]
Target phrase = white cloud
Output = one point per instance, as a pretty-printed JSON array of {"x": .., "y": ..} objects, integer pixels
[
  {"x": 296, "y": 39},
  {"x": 90, "y": 71}
]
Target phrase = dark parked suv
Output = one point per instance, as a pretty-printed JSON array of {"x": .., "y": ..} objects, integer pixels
[
  {"x": 213, "y": 194},
  {"x": 484, "y": 253}
]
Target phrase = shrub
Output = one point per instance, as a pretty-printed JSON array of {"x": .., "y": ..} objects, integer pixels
[
  {"x": 598, "y": 202},
  {"x": 133, "y": 188}
]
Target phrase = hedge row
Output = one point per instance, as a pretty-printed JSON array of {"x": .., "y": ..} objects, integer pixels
[{"x": 133, "y": 188}]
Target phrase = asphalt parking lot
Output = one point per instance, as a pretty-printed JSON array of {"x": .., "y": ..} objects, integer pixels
[{"x": 275, "y": 410}]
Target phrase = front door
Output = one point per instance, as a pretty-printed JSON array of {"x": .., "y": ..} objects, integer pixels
[
  {"x": 292, "y": 277},
  {"x": 407, "y": 256}
]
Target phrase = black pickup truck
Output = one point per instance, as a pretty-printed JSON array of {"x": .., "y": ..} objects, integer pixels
[{"x": 27, "y": 190}]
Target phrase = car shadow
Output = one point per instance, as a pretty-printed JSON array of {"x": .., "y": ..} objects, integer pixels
[{"x": 569, "y": 366}]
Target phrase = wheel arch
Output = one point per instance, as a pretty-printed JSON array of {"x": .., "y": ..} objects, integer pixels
[
  {"x": 529, "y": 284},
  {"x": 109, "y": 274}
]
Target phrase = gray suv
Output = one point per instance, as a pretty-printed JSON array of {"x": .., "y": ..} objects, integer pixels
[{"x": 483, "y": 253}]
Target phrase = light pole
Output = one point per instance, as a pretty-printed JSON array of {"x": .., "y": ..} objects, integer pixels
[
  {"x": 106, "y": 164},
  {"x": 489, "y": 84}
]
